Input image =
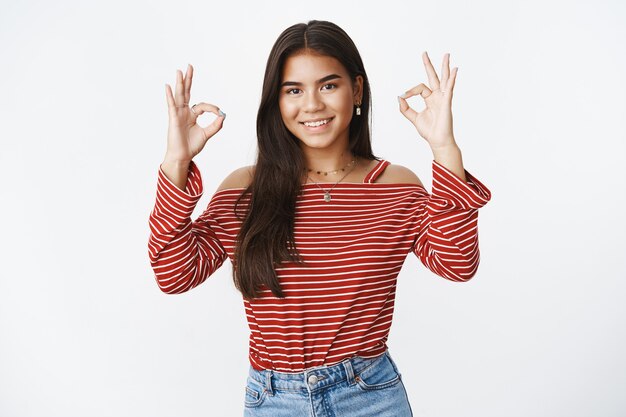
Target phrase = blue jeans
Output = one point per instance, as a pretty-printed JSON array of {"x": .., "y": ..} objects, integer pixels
[{"x": 355, "y": 387}]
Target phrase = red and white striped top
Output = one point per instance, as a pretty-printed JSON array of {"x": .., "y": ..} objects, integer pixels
[{"x": 341, "y": 303}]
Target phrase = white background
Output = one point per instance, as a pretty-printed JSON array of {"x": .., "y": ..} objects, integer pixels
[{"x": 539, "y": 114}]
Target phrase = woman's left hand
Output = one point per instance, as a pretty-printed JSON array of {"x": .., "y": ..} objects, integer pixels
[{"x": 434, "y": 123}]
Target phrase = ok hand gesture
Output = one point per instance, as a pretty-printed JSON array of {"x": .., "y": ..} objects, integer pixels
[
  {"x": 185, "y": 138},
  {"x": 434, "y": 123}
]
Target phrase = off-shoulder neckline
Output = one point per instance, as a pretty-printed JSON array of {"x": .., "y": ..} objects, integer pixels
[{"x": 341, "y": 184}]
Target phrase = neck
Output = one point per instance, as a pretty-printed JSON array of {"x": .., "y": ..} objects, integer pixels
[{"x": 319, "y": 161}]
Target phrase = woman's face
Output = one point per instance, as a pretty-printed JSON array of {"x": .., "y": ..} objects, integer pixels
[{"x": 317, "y": 99}]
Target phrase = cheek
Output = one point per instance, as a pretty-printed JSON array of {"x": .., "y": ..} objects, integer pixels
[
  {"x": 287, "y": 111},
  {"x": 343, "y": 103},
  {"x": 346, "y": 109}
]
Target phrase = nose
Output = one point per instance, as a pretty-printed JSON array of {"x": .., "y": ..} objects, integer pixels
[{"x": 313, "y": 102}]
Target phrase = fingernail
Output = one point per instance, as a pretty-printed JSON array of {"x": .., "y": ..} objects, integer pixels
[
  {"x": 402, "y": 95},
  {"x": 221, "y": 113}
]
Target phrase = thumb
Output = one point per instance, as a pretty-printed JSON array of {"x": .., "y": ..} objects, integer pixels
[
  {"x": 213, "y": 128},
  {"x": 216, "y": 126}
]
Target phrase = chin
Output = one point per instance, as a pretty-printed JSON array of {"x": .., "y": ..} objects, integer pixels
[
  {"x": 320, "y": 141},
  {"x": 316, "y": 144}
]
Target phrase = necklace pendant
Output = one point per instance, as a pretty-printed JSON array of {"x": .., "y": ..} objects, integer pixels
[{"x": 327, "y": 196}]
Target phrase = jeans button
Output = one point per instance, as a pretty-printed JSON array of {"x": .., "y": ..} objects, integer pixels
[{"x": 312, "y": 379}]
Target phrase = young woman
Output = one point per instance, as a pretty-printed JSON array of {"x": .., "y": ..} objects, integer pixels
[{"x": 318, "y": 229}]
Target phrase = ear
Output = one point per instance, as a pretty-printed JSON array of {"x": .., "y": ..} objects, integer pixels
[{"x": 357, "y": 87}]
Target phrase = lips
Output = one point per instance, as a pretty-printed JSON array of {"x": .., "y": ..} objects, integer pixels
[{"x": 316, "y": 122}]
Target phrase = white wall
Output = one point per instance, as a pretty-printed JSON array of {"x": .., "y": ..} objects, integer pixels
[{"x": 538, "y": 111}]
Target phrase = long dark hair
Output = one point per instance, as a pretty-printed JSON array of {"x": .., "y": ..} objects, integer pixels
[{"x": 266, "y": 237}]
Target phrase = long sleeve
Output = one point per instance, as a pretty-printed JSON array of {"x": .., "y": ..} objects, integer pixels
[
  {"x": 183, "y": 253},
  {"x": 447, "y": 242}
]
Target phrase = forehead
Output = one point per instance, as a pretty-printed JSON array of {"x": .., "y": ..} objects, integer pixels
[{"x": 310, "y": 66}]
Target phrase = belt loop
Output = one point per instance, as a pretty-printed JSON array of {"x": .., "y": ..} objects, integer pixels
[
  {"x": 268, "y": 381},
  {"x": 347, "y": 364}
]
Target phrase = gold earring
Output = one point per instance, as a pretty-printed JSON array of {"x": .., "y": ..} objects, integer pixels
[{"x": 358, "y": 109}]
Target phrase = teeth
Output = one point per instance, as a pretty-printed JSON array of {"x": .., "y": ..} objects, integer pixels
[{"x": 315, "y": 124}]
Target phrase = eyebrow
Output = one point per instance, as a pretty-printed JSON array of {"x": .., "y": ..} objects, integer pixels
[{"x": 321, "y": 80}]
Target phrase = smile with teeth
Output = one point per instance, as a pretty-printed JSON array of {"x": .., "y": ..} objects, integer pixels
[{"x": 318, "y": 123}]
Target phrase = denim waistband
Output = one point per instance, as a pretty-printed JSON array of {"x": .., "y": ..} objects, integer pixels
[{"x": 315, "y": 378}]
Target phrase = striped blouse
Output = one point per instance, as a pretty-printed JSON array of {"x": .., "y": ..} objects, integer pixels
[{"x": 341, "y": 303}]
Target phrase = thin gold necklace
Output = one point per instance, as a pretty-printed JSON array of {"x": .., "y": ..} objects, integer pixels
[
  {"x": 331, "y": 172},
  {"x": 327, "y": 196}
]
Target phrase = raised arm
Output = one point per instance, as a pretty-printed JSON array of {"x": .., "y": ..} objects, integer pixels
[
  {"x": 183, "y": 253},
  {"x": 447, "y": 242}
]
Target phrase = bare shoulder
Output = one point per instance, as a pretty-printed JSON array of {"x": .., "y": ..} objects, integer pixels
[
  {"x": 398, "y": 174},
  {"x": 239, "y": 178}
]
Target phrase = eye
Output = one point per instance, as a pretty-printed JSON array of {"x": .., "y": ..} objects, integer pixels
[
  {"x": 292, "y": 91},
  {"x": 330, "y": 85}
]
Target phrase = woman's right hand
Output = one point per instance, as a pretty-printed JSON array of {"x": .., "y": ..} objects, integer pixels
[{"x": 185, "y": 138}]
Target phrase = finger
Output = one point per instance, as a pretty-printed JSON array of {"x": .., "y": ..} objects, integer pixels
[
  {"x": 420, "y": 89},
  {"x": 445, "y": 72},
  {"x": 433, "y": 80},
  {"x": 452, "y": 80},
  {"x": 406, "y": 110},
  {"x": 180, "y": 94},
  {"x": 171, "y": 104},
  {"x": 188, "y": 78},
  {"x": 201, "y": 108}
]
